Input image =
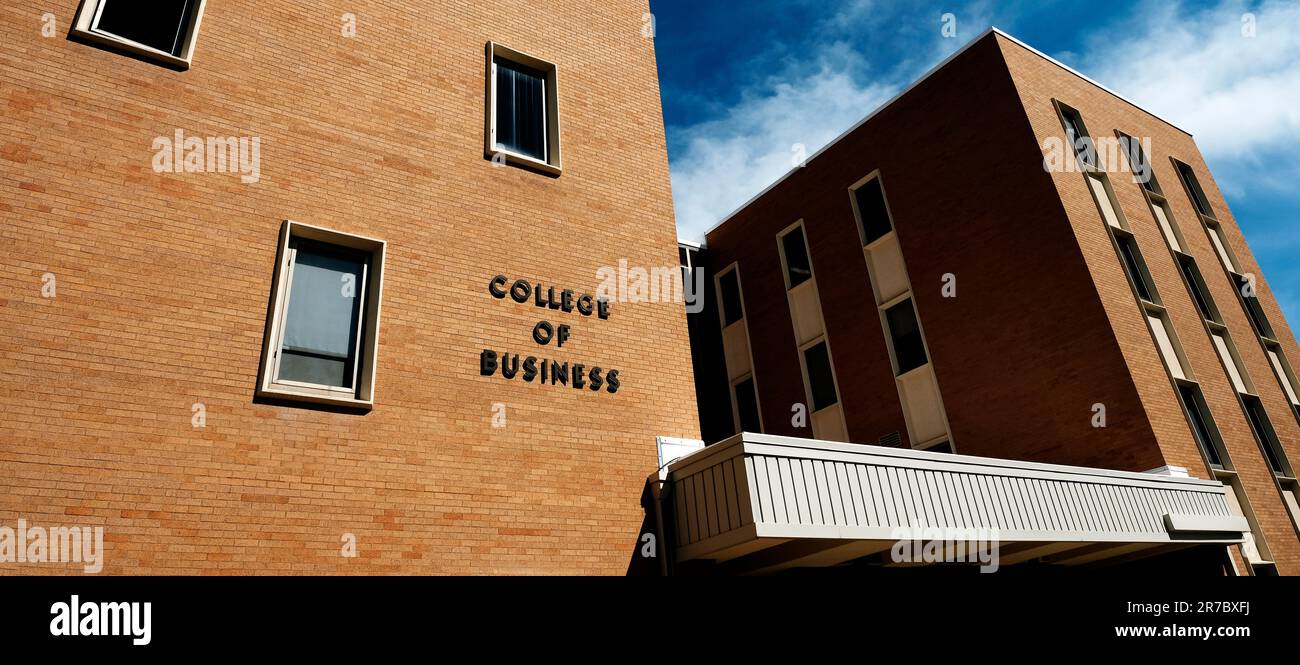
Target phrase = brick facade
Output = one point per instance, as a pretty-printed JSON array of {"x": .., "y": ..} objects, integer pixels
[{"x": 163, "y": 283}]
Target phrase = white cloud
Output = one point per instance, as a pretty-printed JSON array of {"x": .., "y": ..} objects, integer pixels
[{"x": 1239, "y": 96}]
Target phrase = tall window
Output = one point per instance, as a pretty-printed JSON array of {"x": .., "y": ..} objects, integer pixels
[
  {"x": 523, "y": 116},
  {"x": 1136, "y": 267},
  {"x": 905, "y": 335},
  {"x": 873, "y": 215},
  {"x": 1188, "y": 176},
  {"x": 798, "y": 269},
  {"x": 821, "y": 383},
  {"x": 1246, "y": 287},
  {"x": 163, "y": 30},
  {"x": 1263, "y": 429},
  {"x": 324, "y": 326},
  {"x": 1198, "y": 416},
  {"x": 1196, "y": 283},
  {"x": 1077, "y": 134},
  {"x": 747, "y": 406},
  {"x": 729, "y": 286}
]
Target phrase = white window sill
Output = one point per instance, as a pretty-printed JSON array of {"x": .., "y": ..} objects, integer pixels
[
  {"x": 313, "y": 397},
  {"x": 525, "y": 161},
  {"x": 132, "y": 47}
]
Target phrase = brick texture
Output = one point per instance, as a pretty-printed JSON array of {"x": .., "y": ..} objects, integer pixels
[{"x": 163, "y": 284}]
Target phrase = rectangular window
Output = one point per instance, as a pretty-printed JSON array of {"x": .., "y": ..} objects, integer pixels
[
  {"x": 821, "y": 382},
  {"x": 1198, "y": 416},
  {"x": 1228, "y": 354},
  {"x": 1263, "y": 429},
  {"x": 729, "y": 288},
  {"x": 523, "y": 114},
  {"x": 1136, "y": 267},
  {"x": 1250, "y": 299},
  {"x": 1138, "y": 163},
  {"x": 747, "y": 407},
  {"x": 905, "y": 333},
  {"x": 163, "y": 30},
  {"x": 1194, "y": 189},
  {"x": 873, "y": 214},
  {"x": 1077, "y": 135},
  {"x": 323, "y": 334},
  {"x": 798, "y": 269},
  {"x": 1196, "y": 283}
]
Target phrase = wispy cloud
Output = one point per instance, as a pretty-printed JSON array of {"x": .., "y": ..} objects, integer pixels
[{"x": 840, "y": 70}]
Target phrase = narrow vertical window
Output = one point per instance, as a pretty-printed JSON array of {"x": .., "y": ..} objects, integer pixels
[
  {"x": 1250, "y": 299},
  {"x": 729, "y": 286},
  {"x": 909, "y": 347},
  {"x": 1136, "y": 267},
  {"x": 1202, "y": 426},
  {"x": 1077, "y": 134},
  {"x": 1194, "y": 190},
  {"x": 821, "y": 381},
  {"x": 1263, "y": 429},
  {"x": 747, "y": 406},
  {"x": 1196, "y": 283},
  {"x": 797, "y": 267},
  {"x": 873, "y": 215}
]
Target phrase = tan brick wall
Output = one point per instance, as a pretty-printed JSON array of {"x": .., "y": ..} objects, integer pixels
[
  {"x": 1038, "y": 82},
  {"x": 164, "y": 279}
]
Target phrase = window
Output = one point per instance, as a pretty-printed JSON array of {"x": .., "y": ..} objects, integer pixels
[
  {"x": 941, "y": 447},
  {"x": 1078, "y": 136},
  {"x": 747, "y": 407},
  {"x": 523, "y": 110},
  {"x": 164, "y": 30},
  {"x": 1194, "y": 189},
  {"x": 1263, "y": 429},
  {"x": 821, "y": 382},
  {"x": 1106, "y": 201},
  {"x": 909, "y": 347},
  {"x": 1198, "y": 415},
  {"x": 323, "y": 333},
  {"x": 795, "y": 252},
  {"x": 873, "y": 215},
  {"x": 1196, "y": 283},
  {"x": 1136, "y": 267},
  {"x": 1137, "y": 159},
  {"x": 1250, "y": 299},
  {"x": 732, "y": 310}
]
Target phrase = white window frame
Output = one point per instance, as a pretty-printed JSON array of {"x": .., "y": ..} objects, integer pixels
[
  {"x": 361, "y": 394},
  {"x": 86, "y": 25},
  {"x": 552, "y": 164}
]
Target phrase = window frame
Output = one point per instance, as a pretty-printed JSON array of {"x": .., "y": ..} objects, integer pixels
[
  {"x": 553, "y": 164},
  {"x": 361, "y": 395},
  {"x": 86, "y": 25},
  {"x": 878, "y": 178}
]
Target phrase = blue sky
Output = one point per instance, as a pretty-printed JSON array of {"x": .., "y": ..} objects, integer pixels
[{"x": 743, "y": 82}]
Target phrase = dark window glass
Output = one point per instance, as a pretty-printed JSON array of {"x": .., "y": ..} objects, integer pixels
[
  {"x": 945, "y": 447},
  {"x": 732, "y": 311},
  {"x": 521, "y": 109},
  {"x": 683, "y": 257},
  {"x": 323, "y": 319},
  {"x": 797, "y": 266},
  {"x": 1251, "y": 302},
  {"x": 1137, "y": 159},
  {"x": 871, "y": 208},
  {"x": 1196, "y": 283},
  {"x": 821, "y": 381},
  {"x": 1198, "y": 416},
  {"x": 909, "y": 348},
  {"x": 1135, "y": 267},
  {"x": 747, "y": 406},
  {"x": 1263, "y": 429},
  {"x": 159, "y": 24},
  {"x": 1194, "y": 189},
  {"x": 1078, "y": 136}
]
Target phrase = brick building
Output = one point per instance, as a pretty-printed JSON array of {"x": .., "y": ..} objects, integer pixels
[
  {"x": 988, "y": 266},
  {"x": 158, "y": 379}
]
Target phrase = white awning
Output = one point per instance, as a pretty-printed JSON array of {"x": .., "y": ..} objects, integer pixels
[{"x": 779, "y": 502}]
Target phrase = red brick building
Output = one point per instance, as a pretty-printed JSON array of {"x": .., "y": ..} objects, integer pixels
[
  {"x": 958, "y": 273},
  {"x": 158, "y": 379}
]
